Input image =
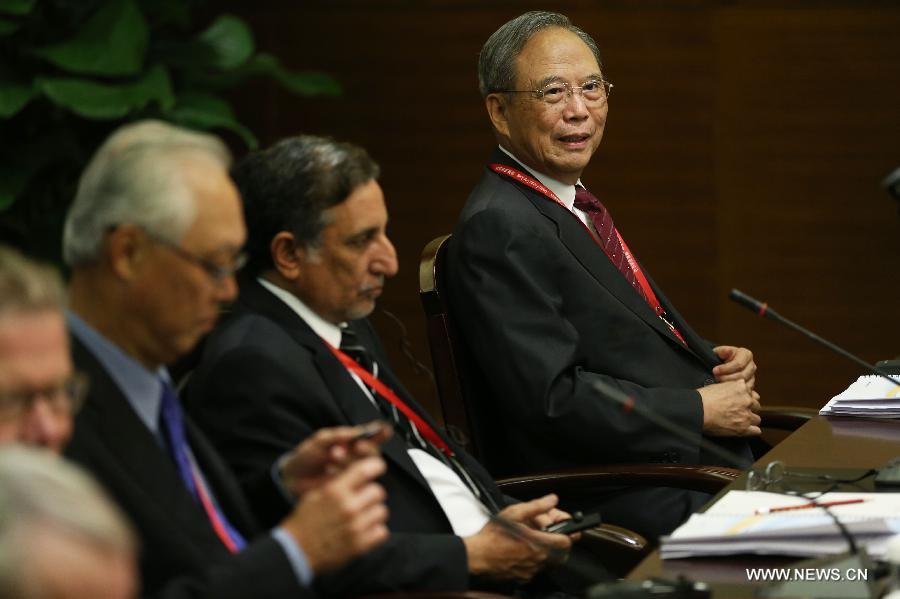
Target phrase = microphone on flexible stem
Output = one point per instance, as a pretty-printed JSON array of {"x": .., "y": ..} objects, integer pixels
[
  {"x": 762, "y": 309},
  {"x": 628, "y": 405},
  {"x": 856, "y": 559}
]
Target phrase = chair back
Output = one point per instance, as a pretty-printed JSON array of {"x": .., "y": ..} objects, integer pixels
[{"x": 455, "y": 376}]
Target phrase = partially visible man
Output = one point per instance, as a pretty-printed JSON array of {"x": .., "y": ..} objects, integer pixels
[
  {"x": 37, "y": 384},
  {"x": 153, "y": 239},
  {"x": 297, "y": 354},
  {"x": 548, "y": 297},
  {"x": 60, "y": 536}
]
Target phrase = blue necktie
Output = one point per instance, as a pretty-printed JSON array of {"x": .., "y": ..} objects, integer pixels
[{"x": 173, "y": 427}]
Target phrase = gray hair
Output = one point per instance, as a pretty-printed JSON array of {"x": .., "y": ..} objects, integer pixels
[
  {"x": 497, "y": 59},
  {"x": 40, "y": 491},
  {"x": 135, "y": 178},
  {"x": 26, "y": 286},
  {"x": 292, "y": 186}
]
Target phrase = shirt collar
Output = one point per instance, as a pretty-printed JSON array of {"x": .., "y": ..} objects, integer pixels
[
  {"x": 141, "y": 387},
  {"x": 328, "y": 331},
  {"x": 564, "y": 191}
]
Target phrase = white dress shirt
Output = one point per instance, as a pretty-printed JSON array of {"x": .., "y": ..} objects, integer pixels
[
  {"x": 564, "y": 191},
  {"x": 467, "y": 515}
]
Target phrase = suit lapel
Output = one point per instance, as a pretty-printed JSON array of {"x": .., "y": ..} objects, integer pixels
[
  {"x": 138, "y": 455},
  {"x": 223, "y": 483},
  {"x": 578, "y": 240},
  {"x": 347, "y": 395}
]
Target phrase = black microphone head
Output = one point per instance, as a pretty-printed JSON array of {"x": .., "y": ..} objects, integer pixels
[
  {"x": 891, "y": 184},
  {"x": 739, "y": 297}
]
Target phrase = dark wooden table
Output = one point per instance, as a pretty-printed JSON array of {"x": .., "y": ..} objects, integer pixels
[{"x": 842, "y": 446}]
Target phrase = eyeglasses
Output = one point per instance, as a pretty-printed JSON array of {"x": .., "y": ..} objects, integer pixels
[
  {"x": 594, "y": 92},
  {"x": 775, "y": 476},
  {"x": 762, "y": 479},
  {"x": 217, "y": 272},
  {"x": 67, "y": 396}
]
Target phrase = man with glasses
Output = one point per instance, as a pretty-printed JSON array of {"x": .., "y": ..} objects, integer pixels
[
  {"x": 153, "y": 239},
  {"x": 59, "y": 535},
  {"x": 39, "y": 390},
  {"x": 548, "y": 297}
]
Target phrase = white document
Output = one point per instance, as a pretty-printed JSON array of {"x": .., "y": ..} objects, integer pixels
[
  {"x": 733, "y": 525},
  {"x": 871, "y": 396}
]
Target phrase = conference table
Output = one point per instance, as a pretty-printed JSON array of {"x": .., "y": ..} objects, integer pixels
[{"x": 841, "y": 446}]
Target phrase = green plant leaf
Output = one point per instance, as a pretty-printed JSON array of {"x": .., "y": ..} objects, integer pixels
[
  {"x": 204, "y": 112},
  {"x": 309, "y": 83},
  {"x": 303, "y": 83},
  {"x": 231, "y": 41},
  {"x": 7, "y": 27},
  {"x": 13, "y": 97},
  {"x": 112, "y": 42},
  {"x": 106, "y": 101},
  {"x": 16, "y": 7}
]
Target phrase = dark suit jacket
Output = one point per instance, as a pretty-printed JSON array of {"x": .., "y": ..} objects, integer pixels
[
  {"x": 181, "y": 556},
  {"x": 266, "y": 381},
  {"x": 544, "y": 312}
]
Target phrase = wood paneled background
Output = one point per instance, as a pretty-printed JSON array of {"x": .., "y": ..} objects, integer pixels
[{"x": 744, "y": 148}]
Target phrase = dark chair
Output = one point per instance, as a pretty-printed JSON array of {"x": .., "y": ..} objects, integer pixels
[
  {"x": 777, "y": 423},
  {"x": 620, "y": 548}
]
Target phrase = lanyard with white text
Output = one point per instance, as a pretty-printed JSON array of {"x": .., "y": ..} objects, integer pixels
[
  {"x": 388, "y": 394},
  {"x": 652, "y": 300}
]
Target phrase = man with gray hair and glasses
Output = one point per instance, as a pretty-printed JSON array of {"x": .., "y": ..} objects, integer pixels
[
  {"x": 549, "y": 298},
  {"x": 154, "y": 238},
  {"x": 38, "y": 388},
  {"x": 60, "y": 536}
]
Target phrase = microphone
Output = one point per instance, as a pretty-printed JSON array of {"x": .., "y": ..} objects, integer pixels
[
  {"x": 762, "y": 309},
  {"x": 855, "y": 559},
  {"x": 628, "y": 405},
  {"x": 891, "y": 183}
]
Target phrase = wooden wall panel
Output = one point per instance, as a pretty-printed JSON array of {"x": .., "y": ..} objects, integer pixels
[
  {"x": 808, "y": 123},
  {"x": 744, "y": 146}
]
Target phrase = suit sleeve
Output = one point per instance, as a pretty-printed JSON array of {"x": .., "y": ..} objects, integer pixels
[
  {"x": 261, "y": 570},
  {"x": 508, "y": 287},
  {"x": 254, "y": 419}
]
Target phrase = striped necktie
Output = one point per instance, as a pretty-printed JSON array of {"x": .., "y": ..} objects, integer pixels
[{"x": 609, "y": 237}]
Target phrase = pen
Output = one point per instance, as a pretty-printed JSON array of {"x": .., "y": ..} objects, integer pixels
[{"x": 805, "y": 506}]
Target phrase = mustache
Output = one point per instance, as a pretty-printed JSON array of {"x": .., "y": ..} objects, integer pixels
[{"x": 379, "y": 283}]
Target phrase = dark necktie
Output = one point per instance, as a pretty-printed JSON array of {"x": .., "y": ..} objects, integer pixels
[
  {"x": 172, "y": 425},
  {"x": 351, "y": 346},
  {"x": 609, "y": 237},
  {"x": 403, "y": 426}
]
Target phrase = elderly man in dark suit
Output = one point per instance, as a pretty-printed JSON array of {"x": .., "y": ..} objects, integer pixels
[
  {"x": 548, "y": 296},
  {"x": 154, "y": 238},
  {"x": 319, "y": 256}
]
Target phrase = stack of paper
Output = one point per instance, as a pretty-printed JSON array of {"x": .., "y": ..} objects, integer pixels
[
  {"x": 871, "y": 396},
  {"x": 735, "y": 524}
]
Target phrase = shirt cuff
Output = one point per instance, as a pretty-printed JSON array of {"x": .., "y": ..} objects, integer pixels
[
  {"x": 289, "y": 497},
  {"x": 295, "y": 555}
]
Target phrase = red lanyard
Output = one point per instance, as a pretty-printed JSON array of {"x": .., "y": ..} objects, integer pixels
[
  {"x": 214, "y": 518},
  {"x": 654, "y": 302},
  {"x": 387, "y": 393}
]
